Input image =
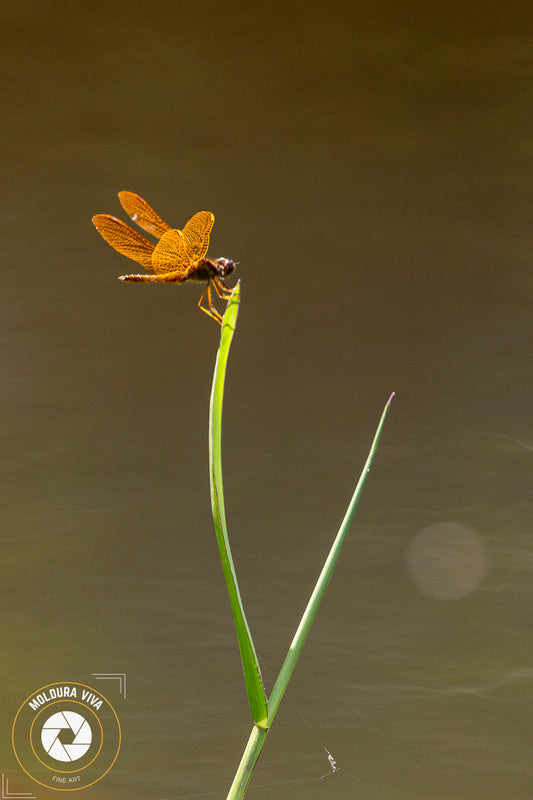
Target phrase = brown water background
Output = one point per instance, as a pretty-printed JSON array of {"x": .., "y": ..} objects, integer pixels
[{"x": 369, "y": 166}]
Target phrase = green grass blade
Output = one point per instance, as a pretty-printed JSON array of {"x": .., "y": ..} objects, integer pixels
[
  {"x": 244, "y": 773},
  {"x": 250, "y": 663},
  {"x": 322, "y": 583}
]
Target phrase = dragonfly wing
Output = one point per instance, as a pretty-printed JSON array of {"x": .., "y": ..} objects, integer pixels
[
  {"x": 124, "y": 239},
  {"x": 169, "y": 254},
  {"x": 143, "y": 214},
  {"x": 196, "y": 235}
]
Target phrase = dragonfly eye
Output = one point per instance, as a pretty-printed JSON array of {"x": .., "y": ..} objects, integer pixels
[{"x": 226, "y": 266}]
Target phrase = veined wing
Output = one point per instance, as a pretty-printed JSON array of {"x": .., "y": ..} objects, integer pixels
[
  {"x": 143, "y": 214},
  {"x": 124, "y": 239},
  {"x": 169, "y": 254},
  {"x": 196, "y": 235}
]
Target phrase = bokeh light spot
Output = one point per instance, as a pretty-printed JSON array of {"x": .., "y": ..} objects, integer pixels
[{"x": 446, "y": 560}]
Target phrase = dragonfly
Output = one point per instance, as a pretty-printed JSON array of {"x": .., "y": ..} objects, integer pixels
[{"x": 178, "y": 256}]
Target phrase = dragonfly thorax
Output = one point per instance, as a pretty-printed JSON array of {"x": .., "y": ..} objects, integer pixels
[{"x": 206, "y": 270}]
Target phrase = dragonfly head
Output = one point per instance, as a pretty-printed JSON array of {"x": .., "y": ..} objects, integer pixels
[{"x": 225, "y": 266}]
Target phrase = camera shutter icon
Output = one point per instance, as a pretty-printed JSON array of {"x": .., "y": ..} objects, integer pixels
[{"x": 80, "y": 735}]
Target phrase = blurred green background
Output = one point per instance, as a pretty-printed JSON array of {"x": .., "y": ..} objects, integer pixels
[{"x": 369, "y": 166}]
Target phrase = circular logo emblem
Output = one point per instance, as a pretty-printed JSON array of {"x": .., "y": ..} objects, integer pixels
[{"x": 66, "y": 736}]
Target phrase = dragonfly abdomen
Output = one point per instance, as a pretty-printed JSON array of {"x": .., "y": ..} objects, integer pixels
[{"x": 166, "y": 277}]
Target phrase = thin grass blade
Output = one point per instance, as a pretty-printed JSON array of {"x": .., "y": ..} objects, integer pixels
[
  {"x": 323, "y": 580},
  {"x": 250, "y": 662}
]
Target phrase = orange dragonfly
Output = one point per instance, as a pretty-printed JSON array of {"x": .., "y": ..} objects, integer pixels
[{"x": 178, "y": 256}]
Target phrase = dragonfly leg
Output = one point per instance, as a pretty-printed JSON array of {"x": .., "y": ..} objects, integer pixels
[
  {"x": 222, "y": 291},
  {"x": 211, "y": 311},
  {"x": 214, "y": 311}
]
